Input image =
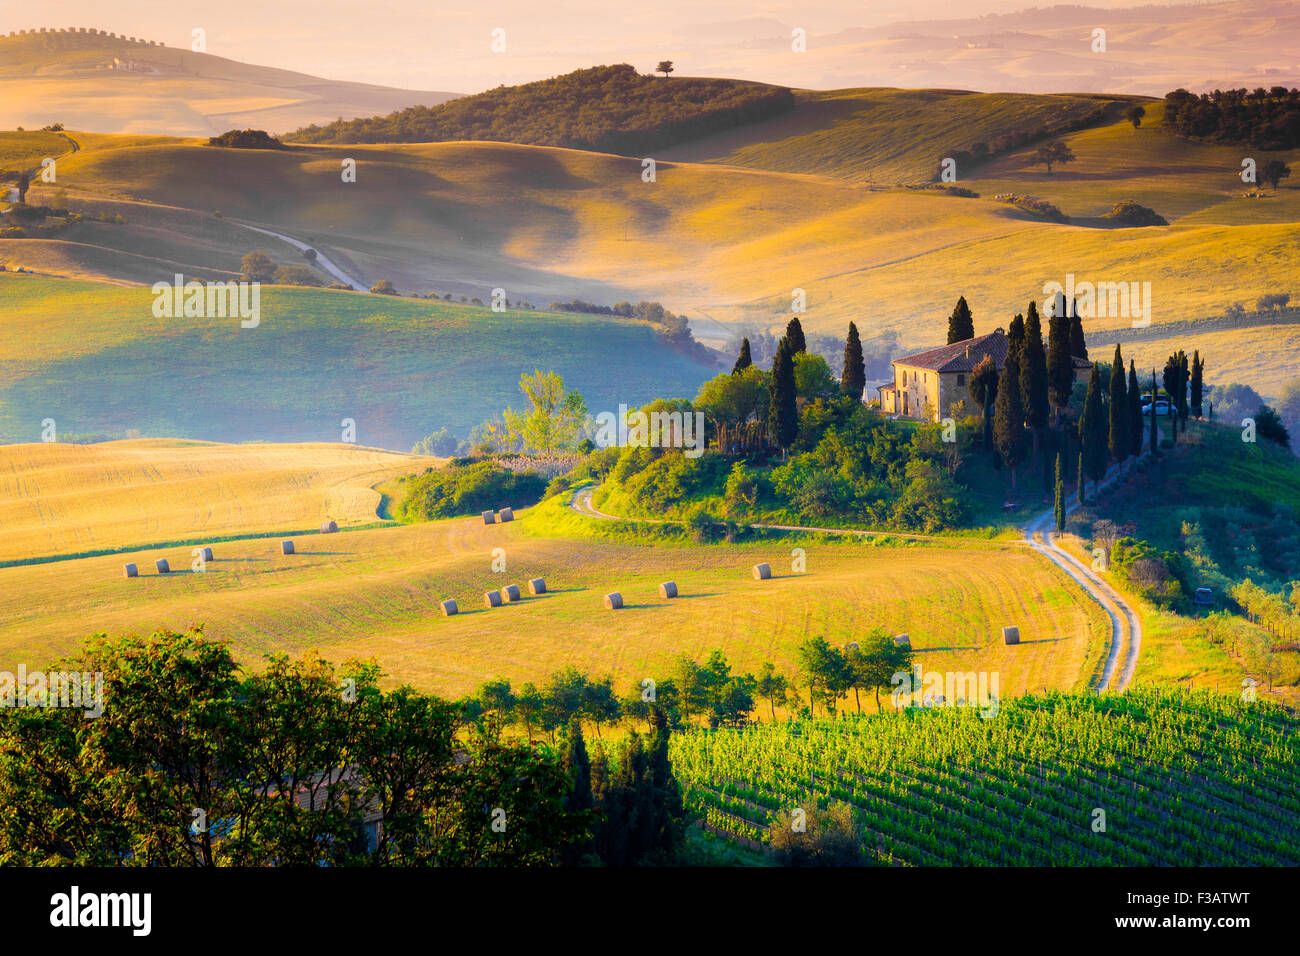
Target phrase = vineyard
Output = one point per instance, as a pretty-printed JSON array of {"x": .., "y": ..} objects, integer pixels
[{"x": 1184, "y": 779}]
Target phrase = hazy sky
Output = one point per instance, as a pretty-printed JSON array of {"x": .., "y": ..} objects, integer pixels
[{"x": 446, "y": 46}]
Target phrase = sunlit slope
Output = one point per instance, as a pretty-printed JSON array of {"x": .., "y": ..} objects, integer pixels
[
  {"x": 69, "y": 78},
  {"x": 1184, "y": 181},
  {"x": 94, "y": 358},
  {"x": 711, "y": 241},
  {"x": 58, "y": 498},
  {"x": 885, "y": 135},
  {"x": 376, "y": 592}
]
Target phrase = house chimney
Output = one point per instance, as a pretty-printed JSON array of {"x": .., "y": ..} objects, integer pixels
[{"x": 968, "y": 351}]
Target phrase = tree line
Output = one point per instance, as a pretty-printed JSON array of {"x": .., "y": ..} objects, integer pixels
[
  {"x": 195, "y": 763},
  {"x": 1267, "y": 119}
]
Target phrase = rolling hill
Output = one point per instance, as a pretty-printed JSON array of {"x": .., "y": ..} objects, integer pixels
[
  {"x": 723, "y": 238},
  {"x": 95, "y": 359},
  {"x": 113, "y": 84}
]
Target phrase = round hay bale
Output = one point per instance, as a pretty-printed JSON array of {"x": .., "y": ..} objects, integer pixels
[
  {"x": 613, "y": 601},
  {"x": 489, "y": 518},
  {"x": 492, "y": 598},
  {"x": 286, "y": 547},
  {"x": 449, "y": 608},
  {"x": 162, "y": 566},
  {"x": 668, "y": 589},
  {"x": 1011, "y": 635},
  {"x": 510, "y": 593},
  {"x": 206, "y": 554},
  {"x": 329, "y": 527},
  {"x": 902, "y": 640},
  {"x": 537, "y": 586},
  {"x": 506, "y": 514},
  {"x": 762, "y": 572},
  {"x": 130, "y": 571}
]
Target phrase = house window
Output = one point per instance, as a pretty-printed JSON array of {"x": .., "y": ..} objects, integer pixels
[{"x": 961, "y": 379}]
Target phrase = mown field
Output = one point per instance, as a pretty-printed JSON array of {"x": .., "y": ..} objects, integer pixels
[
  {"x": 95, "y": 359},
  {"x": 60, "y": 498},
  {"x": 1179, "y": 779},
  {"x": 375, "y": 593}
]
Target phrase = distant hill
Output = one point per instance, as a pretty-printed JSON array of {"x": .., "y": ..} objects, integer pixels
[
  {"x": 890, "y": 136},
  {"x": 115, "y": 84},
  {"x": 610, "y": 109}
]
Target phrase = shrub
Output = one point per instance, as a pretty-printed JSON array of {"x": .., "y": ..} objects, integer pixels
[
  {"x": 246, "y": 139},
  {"x": 466, "y": 489},
  {"x": 1133, "y": 214}
]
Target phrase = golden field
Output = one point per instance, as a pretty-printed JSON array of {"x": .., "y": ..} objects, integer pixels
[
  {"x": 375, "y": 592},
  {"x": 67, "y": 498}
]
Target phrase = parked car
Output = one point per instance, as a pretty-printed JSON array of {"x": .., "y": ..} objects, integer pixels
[{"x": 1162, "y": 406}]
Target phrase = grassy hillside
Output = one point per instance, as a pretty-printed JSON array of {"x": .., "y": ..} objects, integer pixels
[
  {"x": 94, "y": 358},
  {"x": 607, "y": 108},
  {"x": 68, "y": 78},
  {"x": 722, "y": 245},
  {"x": 376, "y": 592},
  {"x": 60, "y": 498},
  {"x": 887, "y": 135},
  {"x": 1186, "y": 780}
]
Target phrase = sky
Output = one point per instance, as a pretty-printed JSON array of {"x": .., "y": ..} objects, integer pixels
[{"x": 447, "y": 46}]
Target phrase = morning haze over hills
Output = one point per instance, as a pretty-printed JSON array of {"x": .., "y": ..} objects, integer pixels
[{"x": 668, "y": 439}]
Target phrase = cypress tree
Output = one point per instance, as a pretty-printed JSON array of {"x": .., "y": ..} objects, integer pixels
[
  {"x": 580, "y": 796},
  {"x": 854, "y": 379},
  {"x": 961, "y": 325},
  {"x": 1060, "y": 367},
  {"x": 983, "y": 389},
  {"x": 783, "y": 414},
  {"x": 1134, "y": 413},
  {"x": 1119, "y": 410},
  {"x": 1198, "y": 384},
  {"x": 1079, "y": 486},
  {"x": 1078, "y": 344},
  {"x": 1016, "y": 340},
  {"x": 1009, "y": 418},
  {"x": 1092, "y": 431},
  {"x": 743, "y": 361},
  {"x": 1060, "y": 496},
  {"x": 1033, "y": 379},
  {"x": 1183, "y": 378},
  {"x": 794, "y": 335},
  {"x": 1155, "y": 428}
]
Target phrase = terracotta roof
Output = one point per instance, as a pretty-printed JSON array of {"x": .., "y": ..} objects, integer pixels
[{"x": 961, "y": 356}]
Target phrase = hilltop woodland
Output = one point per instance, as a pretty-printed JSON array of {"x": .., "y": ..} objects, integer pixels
[
  {"x": 611, "y": 109},
  {"x": 1267, "y": 119}
]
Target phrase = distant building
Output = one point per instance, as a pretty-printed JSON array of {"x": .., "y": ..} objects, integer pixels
[{"x": 927, "y": 384}]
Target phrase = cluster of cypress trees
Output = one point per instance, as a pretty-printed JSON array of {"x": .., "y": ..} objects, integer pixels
[
  {"x": 640, "y": 818},
  {"x": 1034, "y": 387},
  {"x": 783, "y": 411}
]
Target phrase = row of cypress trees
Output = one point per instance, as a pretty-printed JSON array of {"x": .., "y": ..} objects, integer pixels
[{"x": 782, "y": 408}]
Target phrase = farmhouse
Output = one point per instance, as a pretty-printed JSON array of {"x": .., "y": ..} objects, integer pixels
[{"x": 927, "y": 384}]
